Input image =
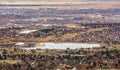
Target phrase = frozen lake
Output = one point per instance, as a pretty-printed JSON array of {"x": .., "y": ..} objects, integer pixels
[{"x": 63, "y": 46}]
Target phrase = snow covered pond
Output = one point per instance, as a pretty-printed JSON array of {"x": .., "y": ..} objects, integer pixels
[
  {"x": 63, "y": 46},
  {"x": 27, "y": 31}
]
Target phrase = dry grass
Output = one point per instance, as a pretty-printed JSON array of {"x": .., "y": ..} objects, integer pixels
[
  {"x": 10, "y": 61},
  {"x": 108, "y": 69},
  {"x": 71, "y": 35},
  {"x": 48, "y": 38}
]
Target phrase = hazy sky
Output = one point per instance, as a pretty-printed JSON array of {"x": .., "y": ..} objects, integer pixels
[{"x": 50, "y": 1}]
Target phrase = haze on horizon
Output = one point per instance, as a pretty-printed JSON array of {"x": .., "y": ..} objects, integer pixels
[{"x": 53, "y": 1}]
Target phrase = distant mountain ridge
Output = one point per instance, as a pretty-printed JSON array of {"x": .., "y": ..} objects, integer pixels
[{"x": 54, "y": 0}]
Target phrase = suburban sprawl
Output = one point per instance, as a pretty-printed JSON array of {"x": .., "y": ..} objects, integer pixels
[{"x": 59, "y": 37}]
